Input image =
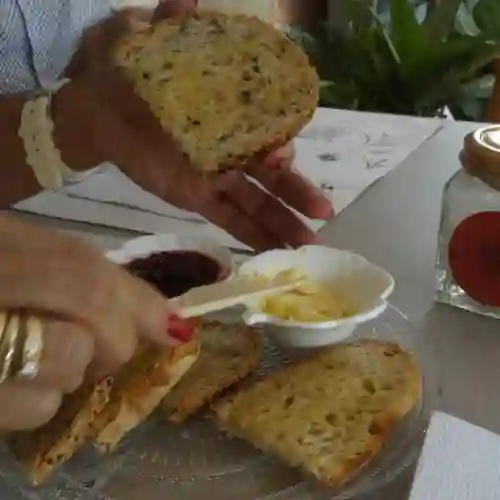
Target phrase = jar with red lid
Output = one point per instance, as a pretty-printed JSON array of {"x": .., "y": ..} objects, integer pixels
[{"x": 468, "y": 260}]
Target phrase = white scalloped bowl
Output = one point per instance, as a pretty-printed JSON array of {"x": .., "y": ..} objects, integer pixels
[
  {"x": 156, "y": 243},
  {"x": 364, "y": 285},
  {"x": 145, "y": 246}
]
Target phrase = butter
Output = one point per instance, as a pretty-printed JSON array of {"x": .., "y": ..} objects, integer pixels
[{"x": 310, "y": 302}]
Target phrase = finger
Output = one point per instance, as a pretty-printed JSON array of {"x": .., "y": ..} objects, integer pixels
[
  {"x": 154, "y": 319},
  {"x": 77, "y": 288},
  {"x": 67, "y": 351},
  {"x": 293, "y": 188},
  {"x": 221, "y": 212},
  {"x": 50, "y": 274},
  {"x": 173, "y": 8},
  {"x": 266, "y": 210},
  {"x": 80, "y": 285},
  {"x": 192, "y": 191},
  {"x": 26, "y": 407},
  {"x": 283, "y": 156}
]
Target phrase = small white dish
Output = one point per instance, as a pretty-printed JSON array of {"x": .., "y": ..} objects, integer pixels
[
  {"x": 156, "y": 243},
  {"x": 149, "y": 245},
  {"x": 364, "y": 285}
]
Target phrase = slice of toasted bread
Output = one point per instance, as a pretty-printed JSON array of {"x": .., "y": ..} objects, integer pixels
[
  {"x": 331, "y": 413},
  {"x": 228, "y": 354},
  {"x": 45, "y": 449},
  {"x": 226, "y": 87},
  {"x": 138, "y": 390}
]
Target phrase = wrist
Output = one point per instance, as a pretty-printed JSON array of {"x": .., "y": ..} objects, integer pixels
[{"x": 74, "y": 131}]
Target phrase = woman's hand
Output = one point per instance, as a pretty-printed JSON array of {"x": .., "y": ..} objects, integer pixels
[
  {"x": 111, "y": 123},
  {"x": 92, "y": 312}
]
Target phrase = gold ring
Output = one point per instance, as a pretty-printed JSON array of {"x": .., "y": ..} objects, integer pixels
[
  {"x": 8, "y": 341},
  {"x": 21, "y": 346},
  {"x": 32, "y": 349}
]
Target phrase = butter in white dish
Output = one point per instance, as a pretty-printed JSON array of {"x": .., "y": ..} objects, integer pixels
[{"x": 362, "y": 285}]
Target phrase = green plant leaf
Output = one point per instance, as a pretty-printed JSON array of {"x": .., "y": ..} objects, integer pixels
[
  {"x": 471, "y": 54},
  {"x": 358, "y": 14},
  {"x": 472, "y": 104},
  {"x": 440, "y": 19},
  {"x": 487, "y": 16},
  {"x": 336, "y": 95},
  {"x": 465, "y": 23},
  {"x": 406, "y": 34},
  {"x": 370, "y": 65}
]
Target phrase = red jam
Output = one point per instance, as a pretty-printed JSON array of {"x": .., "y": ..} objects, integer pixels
[{"x": 173, "y": 273}]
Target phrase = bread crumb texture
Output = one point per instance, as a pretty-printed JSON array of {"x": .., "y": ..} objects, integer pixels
[
  {"x": 227, "y": 87},
  {"x": 331, "y": 413}
]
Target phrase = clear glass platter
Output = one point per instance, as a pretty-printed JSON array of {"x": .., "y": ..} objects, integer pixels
[{"x": 196, "y": 461}]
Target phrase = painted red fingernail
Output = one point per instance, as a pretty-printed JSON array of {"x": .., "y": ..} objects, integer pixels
[{"x": 182, "y": 330}]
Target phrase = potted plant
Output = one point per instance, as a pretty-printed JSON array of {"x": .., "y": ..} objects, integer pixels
[{"x": 398, "y": 63}]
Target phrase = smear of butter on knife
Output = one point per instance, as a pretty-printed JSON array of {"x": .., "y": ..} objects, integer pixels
[{"x": 240, "y": 290}]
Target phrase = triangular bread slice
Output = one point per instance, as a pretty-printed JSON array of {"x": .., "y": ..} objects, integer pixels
[
  {"x": 45, "y": 449},
  {"x": 228, "y": 354},
  {"x": 105, "y": 411},
  {"x": 138, "y": 390},
  {"x": 227, "y": 87},
  {"x": 329, "y": 414}
]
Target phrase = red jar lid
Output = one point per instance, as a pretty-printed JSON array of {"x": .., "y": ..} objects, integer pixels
[{"x": 474, "y": 257}]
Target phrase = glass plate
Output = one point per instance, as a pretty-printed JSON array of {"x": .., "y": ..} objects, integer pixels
[{"x": 195, "y": 461}]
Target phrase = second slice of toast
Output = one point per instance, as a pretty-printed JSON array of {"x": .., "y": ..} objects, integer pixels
[
  {"x": 330, "y": 414},
  {"x": 228, "y": 354}
]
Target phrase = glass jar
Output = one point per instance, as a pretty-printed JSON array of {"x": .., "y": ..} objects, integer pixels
[{"x": 468, "y": 258}]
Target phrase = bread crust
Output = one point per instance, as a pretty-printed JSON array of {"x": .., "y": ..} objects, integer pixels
[
  {"x": 138, "y": 391},
  {"x": 228, "y": 88},
  {"x": 44, "y": 450}
]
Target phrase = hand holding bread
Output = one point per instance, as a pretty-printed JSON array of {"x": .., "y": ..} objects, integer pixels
[{"x": 250, "y": 112}]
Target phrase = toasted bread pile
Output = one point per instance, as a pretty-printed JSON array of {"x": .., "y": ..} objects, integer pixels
[
  {"x": 104, "y": 413},
  {"x": 226, "y": 87},
  {"x": 329, "y": 414}
]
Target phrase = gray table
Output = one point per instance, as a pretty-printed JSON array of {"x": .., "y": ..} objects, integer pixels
[{"x": 395, "y": 225}]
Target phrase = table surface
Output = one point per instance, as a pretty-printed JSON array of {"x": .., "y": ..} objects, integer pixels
[{"x": 394, "y": 224}]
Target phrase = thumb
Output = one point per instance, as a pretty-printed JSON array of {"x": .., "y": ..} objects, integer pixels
[
  {"x": 173, "y": 8},
  {"x": 25, "y": 406}
]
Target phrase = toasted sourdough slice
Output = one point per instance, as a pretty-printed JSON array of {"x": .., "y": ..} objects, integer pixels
[
  {"x": 331, "y": 413},
  {"x": 137, "y": 391},
  {"x": 228, "y": 354},
  {"x": 227, "y": 87},
  {"x": 44, "y": 450}
]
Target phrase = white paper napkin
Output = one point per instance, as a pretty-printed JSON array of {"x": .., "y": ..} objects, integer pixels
[{"x": 459, "y": 461}]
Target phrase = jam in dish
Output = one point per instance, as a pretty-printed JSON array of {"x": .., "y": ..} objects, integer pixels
[{"x": 175, "y": 272}]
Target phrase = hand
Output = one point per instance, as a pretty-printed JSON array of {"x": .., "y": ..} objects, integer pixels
[
  {"x": 116, "y": 126},
  {"x": 93, "y": 314}
]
